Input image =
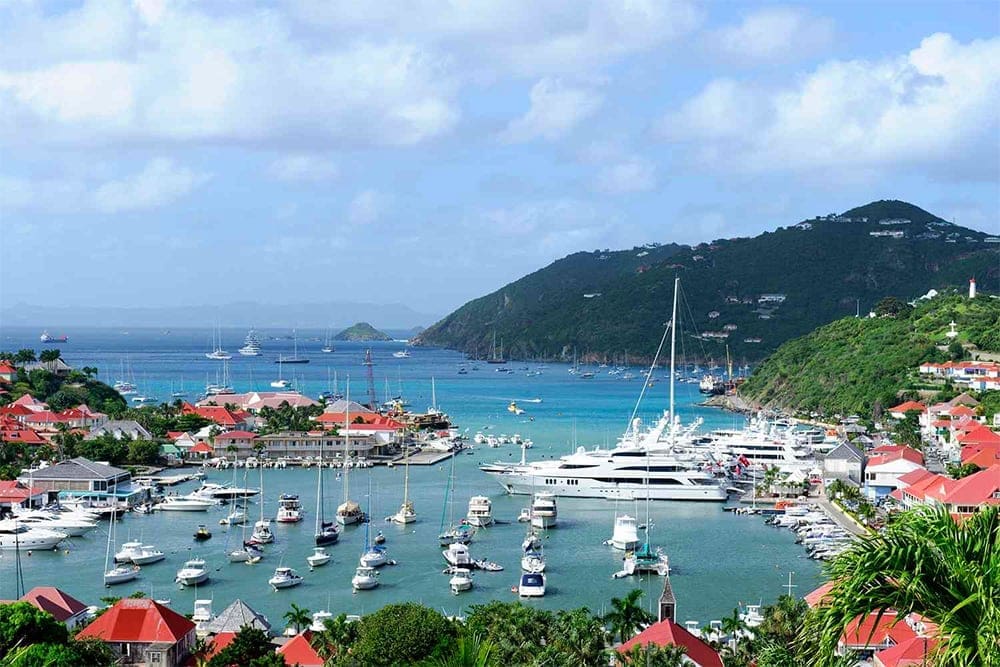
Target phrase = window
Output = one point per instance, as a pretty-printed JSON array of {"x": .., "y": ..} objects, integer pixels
[{"x": 154, "y": 657}]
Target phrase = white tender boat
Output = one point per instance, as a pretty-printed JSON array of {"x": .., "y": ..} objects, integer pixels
[
  {"x": 457, "y": 555},
  {"x": 185, "y": 504},
  {"x": 625, "y": 536},
  {"x": 319, "y": 557},
  {"x": 461, "y": 580},
  {"x": 543, "y": 510},
  {"x": 532, "y": 585},
  {"x": 480, "y": 511},
  {"x": 284, "y": 577},
  {"x": 194, "y": 572},
  {"x": 120, "y": 574},
  {"x": 364, "y": 578}
]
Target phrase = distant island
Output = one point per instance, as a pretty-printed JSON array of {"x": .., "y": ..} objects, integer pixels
[{"x": 362, "y": 332}]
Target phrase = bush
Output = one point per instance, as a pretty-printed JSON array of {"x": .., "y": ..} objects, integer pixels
[{"x": 401, "y": 634}]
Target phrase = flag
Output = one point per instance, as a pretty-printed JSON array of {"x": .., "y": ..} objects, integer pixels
[{"x": 744, "y": 461}]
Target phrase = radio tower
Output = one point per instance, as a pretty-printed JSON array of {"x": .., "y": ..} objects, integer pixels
[{"x": 369, "y": 364}]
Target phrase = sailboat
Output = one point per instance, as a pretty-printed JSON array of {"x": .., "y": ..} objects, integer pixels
[
  {"x": 646, "y": 558},
  {"x": 295, "y": 358},
  {"x": 217, "y": 351},
  {"x": 461, "y": 532},
  {"x": 349, "y": 511},
  {"x": 406, "y": 513},
  {"x": 496, "y": 358},
  {"x": 119, "y": 574},
  {"x": 326, "y": 531},
  {"x": 249, "y": 552},
  {"x": 280, "y": 383},
  {"x": 366, "y": 576},
  {"x": 262, "y": 529},
  {"x": 327, "y": 345}
]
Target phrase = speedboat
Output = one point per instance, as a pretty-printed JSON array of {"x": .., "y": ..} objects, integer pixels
[
  {"x": 480, "y": 511},
  {"x": 543, "y": 510},
  {"x": 147, "y": 555},
  {"x": 532, "y": 585},
  {"x": 202, "y": 534},
  {"x": 284, "y": 577},
  {"x": 319, "y": 620},
  {"x": 178, "y": 504},
  {"x": 120, "y": 574},
  {"x": 374, "y": 556},
  {"x": 533, "y": 561},
  {"x": 364, "y": 578},
  {"x": 128, "y": 551},
  {"x": 281, "y": 384},
  {"x": 461, "y": 580},
  {"x": 319, "y": 557},
  {"x": 193, "y": 572},
  {"x": 457, "y": 555},
  {"x": 626, "y": 536},
  {"x": 213, "y": 491},
  {"x": 401, "y": 354}
]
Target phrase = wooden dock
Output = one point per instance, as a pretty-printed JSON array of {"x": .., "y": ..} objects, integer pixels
[{"x": 425, "y": 458}]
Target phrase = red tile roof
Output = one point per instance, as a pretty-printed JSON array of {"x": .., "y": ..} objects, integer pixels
[
  {"x": 202, "y": 448},
  {"x": 908, "y": 406},
  {"x": 962, "y": 411},
  {"x": 914, "y": 476},
  {"x": 981, "y": 488},
  {"x": 138, "y": 620},
  {"x": 369, "y": 419},
  {"x": 983, "y": 456},
  {"x": 14, "y": 491},
  {"x": 895, "y": 452},
  {"x": 219, "y": 642},
  {"x": 297, "y": 651},
  {"x": 6, "y": 368},
  {"x": 215, "y": 413},
  {"x": 29, "y": 401},
  {"x": 814, "y": 598},
  {"x": 236, "y": 435},
  {"x": 52, "y": 600},
  {"x": 979, "y": 435},
  {"x": 19, "y": 433},
  {"x": 666, "y": 633},
  {"x": 870, "y": 630},
  {"x": 16, "y": 410},
  {"x": 907, "y": 653}
]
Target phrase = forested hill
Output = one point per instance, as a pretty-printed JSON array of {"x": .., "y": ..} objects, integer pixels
[
  {"x": 750, "y": 293},
  {"x": 849, "y": 365}
]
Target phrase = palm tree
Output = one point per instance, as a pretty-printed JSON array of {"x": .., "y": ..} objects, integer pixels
[
  {"x": 627, "y": 615},
  {"x": 734, "y": 626},
  {"x": 470, "y": 650},
  {"x": 578, "y": 638},
  {"x": 298, "y": 617},
  {"x": 336, "y": 638},
  {"x": 924, "y": 562},
  {"x": 651, "y": 655}
]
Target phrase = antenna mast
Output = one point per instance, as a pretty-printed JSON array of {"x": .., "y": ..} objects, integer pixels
[{"x": 369, "y": 363}]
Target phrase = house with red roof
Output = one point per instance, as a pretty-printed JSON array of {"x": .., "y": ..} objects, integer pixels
[
  {"x": 144, "y": 632},
  {"x": 31, "y": 403},
  {"x": 816, "y": 597},
  {"x": 908, "y": 653},
  {"x": 13, "y": 492},
  {"x": 243, "y": 441},
  {"x": 978, "y": 434},
  {"x": 899, "y": 411},
  {"x": 14, "y": 431},
  {"x": 970, "y": 494},
  {"x": 885, "y": 467},
  {"x": 63, "y": 606},
  {"x": 981, "y": 456},
  {"x": 218, "y": 415},
  {"x": 299, "y": 652},
  {"x": 669, "y": 633},
  {"x": 7, "y": 371},
  {"x": 875, "y": 632}
]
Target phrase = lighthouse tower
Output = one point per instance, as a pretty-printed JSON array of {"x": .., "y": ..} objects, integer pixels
[{"x": 972, "y": 288}]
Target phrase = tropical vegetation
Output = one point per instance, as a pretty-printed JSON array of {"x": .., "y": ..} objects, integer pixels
[{"x": 363, "y": 332}]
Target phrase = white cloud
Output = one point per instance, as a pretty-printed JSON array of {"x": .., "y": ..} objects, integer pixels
[
  {"x": 556, "y": 108},
  {"x": 304, "y": 168},
  {"x": 367, "y": 207},
  {"x": 160, "y": 182},
  {"x": 774, "y": 34},
  {"x": 634, "y": 174},
  {"x": 934, "y": 106},
  {"x": 548, "y": 228}
]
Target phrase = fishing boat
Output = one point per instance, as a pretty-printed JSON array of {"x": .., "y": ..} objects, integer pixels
[
  {"x": 295, "y": 358},
  {"x": 119, "y": 574},
  {"x": 531, "y": 585},
  {"x": 325, "y": 531},
  {"x": 289, "y": 508},
  {"x": 147, "y": 555},
  {"x": 543, "y": 510},
  {"x": 318, "y": 557},
  {"x": 251, "y": 345},
  {"x": 284, "y": 577},
  {"x": 194, "y": 572},
  {"x": 457, "y": 555},
  {"x": 202, "y": 534},
  {"x": 128, "y": 550},
  {"x": 461, "y": 580},
  {"x": 625, "y": 535},
  {"x": 406, "y": 513}
]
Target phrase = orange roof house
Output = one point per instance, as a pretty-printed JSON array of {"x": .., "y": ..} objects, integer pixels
[
  {"x": 63, "y": 606},
  {"x": 298, "y": 651},
  {"x": 144, "y": 631},
  {"x": 668, "y": 633}
]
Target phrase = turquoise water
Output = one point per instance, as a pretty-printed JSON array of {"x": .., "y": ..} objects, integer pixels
[{"x": 718, "y": 559}]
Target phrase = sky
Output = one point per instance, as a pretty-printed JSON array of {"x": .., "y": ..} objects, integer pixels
[{"x": 180, "y": 153}]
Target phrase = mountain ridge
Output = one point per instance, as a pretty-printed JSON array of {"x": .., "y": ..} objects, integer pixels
[{"x": 750, "y": 293}]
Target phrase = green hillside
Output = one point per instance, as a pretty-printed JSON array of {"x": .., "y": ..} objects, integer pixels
[
  {"x": 848, "y": 365},
  {"x": 606, "y": 303},
  {"x": 362, "y": 331}
]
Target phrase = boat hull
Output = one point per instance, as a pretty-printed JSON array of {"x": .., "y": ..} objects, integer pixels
[{"x": 517, "y": 484}]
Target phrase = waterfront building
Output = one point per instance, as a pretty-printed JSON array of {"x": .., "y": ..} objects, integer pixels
[
  {"x": 14, "y": 493},
  {"x": 306, "y": 444},
  {"x": 83, "y": 478},
  {"x": 243, "y": 441},
  {"x": 62, "y": 606},
  {"x": 144, "y": 632},
  {"x": 844, "y": 462},
  {"x": 253, "y": 401}
]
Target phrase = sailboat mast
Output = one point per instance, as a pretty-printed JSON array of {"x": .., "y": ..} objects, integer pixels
[
  {"x": 319, "y": 491},
  {"x": 673, "y": 357},
  {"x": 347, "y": 418}
]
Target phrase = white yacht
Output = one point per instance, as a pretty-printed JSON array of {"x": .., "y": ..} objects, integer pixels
[
  {"x": 461, "y": 580},
  {"x": 213, "y": 491},
  {"x": 480, "y": 511},
  {"x": 251, "y": 345},
  {"x": 543, "y": 510},
  {"x": 262, "y": 533},
  {"x": 626, "y": 535},
  {"x": 185, "y": 504},
  {"x": 319, "y": 557},
  {"x": 457, "y": 555},
  {"x": 284, "y": 577},
  {"x": 74, "y": 526},
  {"x": 194, "y": 572},
  {"x": 532, "y": 585},
  {"x": 120, "y": 574},
  {"x": 128, "y": 550},
  {"x": 15, "y": 535},
  {"x": 364, "y": 578},
  {"x": 147, "y": 555},
  {"x": 289, "y": 509}
]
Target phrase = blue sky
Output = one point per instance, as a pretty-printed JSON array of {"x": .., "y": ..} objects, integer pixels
[{"x": 171, "y": 153}]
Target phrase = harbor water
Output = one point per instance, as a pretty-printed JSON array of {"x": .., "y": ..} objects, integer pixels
[{"x": 718, "y": 559}]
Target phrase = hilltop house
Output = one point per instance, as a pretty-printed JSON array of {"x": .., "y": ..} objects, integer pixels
[
  {"x": 62, "y": 606},
  {"x": 144, "y": 633}
]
